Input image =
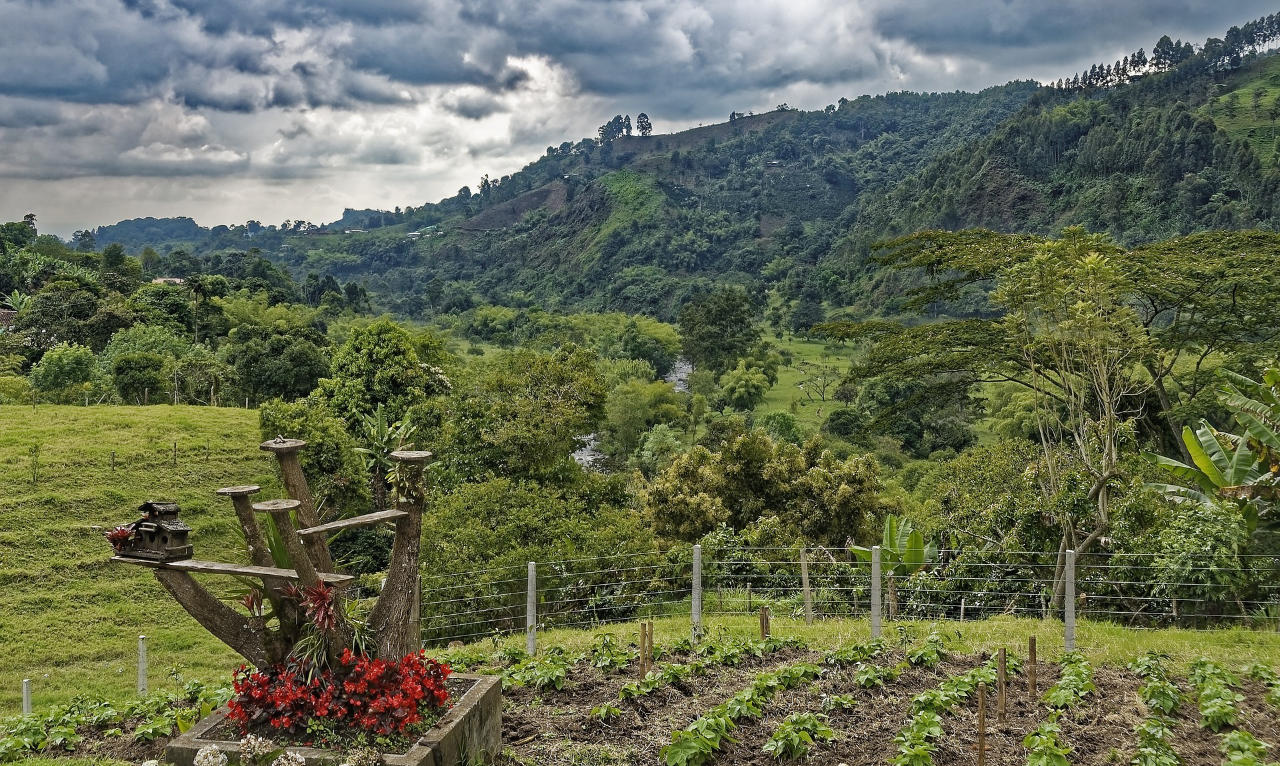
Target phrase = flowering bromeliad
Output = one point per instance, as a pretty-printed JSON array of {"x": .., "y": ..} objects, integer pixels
[
  {"x": 380, "y": 696},
  {"x": 118, "y": 536}
]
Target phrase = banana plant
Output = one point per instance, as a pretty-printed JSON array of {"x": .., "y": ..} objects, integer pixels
[
  {"x": 382, "y": 438},
  {"x": 1240, "y": 469},
  {"x": 903, "y": 552}
]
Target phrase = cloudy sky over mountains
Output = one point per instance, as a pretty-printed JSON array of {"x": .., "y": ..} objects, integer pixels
[{"x": 228, "y": 110}]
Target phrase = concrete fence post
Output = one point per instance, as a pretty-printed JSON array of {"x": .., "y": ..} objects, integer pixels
[
  {"x": 696, "y": 599},
  {"x": 804, "y": 584},
  {"x": 531, "y": 613},
  {"x": 1069, "y": 603},
  {"x": 415, "y": 611},
  {"x": 875, "y": 591},
  {"x": 142, "y": 666},
  {"x": 26, "y": 696}
]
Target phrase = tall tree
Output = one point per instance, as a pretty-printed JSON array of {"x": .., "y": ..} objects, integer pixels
[
  {"x": 643, "y": 125},
  {"x": 718, "y": 328}
]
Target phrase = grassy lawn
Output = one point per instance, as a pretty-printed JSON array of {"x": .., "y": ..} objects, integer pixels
[
  {"x": 1102, "y": 642},
  {"x": 69, "y": 619},
  {"x": 810, "y": 413}
]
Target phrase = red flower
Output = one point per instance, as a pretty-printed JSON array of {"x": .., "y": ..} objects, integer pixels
[
  {"x": 377, "y": 695},
  {"x": 118, "y": 536}
]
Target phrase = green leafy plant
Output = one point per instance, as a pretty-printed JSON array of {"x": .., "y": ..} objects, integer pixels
[
  {"x": 834, "y": 702},
  {"x": 873, "y": 676},
  {"x": 852, "y": 655},
  {"x": 915, "y": 740},
  {"x": 1045, "y": 746},
  {"x": 1074, "y": 685},
  {"x": 604, "y": 713},
  {"x": 1243, "y": 749},
  {"x": 796, "y": 734},
  {"x": 930, "y": 653},
  {"x": 546, "y": 672},
  {"x": 1219, "y": 705},
  {"x": 609, "y": 654},
  {"x": 903, "y": 552}
]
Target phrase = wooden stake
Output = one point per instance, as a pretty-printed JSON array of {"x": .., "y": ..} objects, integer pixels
[
  {"x": 1002, "y": 679},
  {"x": 644, "y": 637},
  {"x": 982, "y": 724},
  {"x": 649, "y": 643},
  {"x": 1031, "y": 667},
  {"x": 764, "y": 622}
]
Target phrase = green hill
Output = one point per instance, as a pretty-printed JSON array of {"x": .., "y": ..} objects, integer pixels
[
  {"x": 791, "y": 201},
  {"x": 69, "y": 619}
]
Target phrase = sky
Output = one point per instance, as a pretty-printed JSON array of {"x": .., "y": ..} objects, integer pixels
[{"x": 273, "y": 110}]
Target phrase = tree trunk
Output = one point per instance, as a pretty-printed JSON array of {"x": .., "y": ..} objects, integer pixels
[
  {"x": 1166, "y": 409},
  {"x": 226, "y": 624}
]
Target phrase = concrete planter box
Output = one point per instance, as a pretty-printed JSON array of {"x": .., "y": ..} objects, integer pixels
[{"x": 470, "y": 732}]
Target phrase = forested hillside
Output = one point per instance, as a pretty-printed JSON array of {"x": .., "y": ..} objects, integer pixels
[{"x": 790, "y": 202}]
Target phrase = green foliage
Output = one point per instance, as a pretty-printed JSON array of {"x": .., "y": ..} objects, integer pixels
[
  {"x": 915, "y": 740},
  {"x": 698, "y": 742},
  {"x": 548, "y": 671},
  {"x": 1045, "y": 746},
  {"x": 518, "y": 414},
  {"x": 812, "y": 492},
  {"x": 1219, "y": 704},
  {"x": 605, "y": 713},
  {"x": 930, "y": 653},
  {"x": 854, "y": 654},
  {"x": 377, "y": 365},
  {"x": 718, "y": 328},
  {"x": 742, "y": 388},
  {"x": 64, "y": 370},
  {"x": 1243, "y": 749},
  {"x": 608, "y": 653},
  {"x": 832, "y": 703},
  {"x": 140, "y": 377},
  {"x": 331, "y": 464},
  {"x": 796, "y": 734},
  {"x": 1074, "y": 685}
]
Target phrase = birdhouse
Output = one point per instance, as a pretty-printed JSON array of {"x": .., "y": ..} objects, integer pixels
[{"x": 158, "y": 536}]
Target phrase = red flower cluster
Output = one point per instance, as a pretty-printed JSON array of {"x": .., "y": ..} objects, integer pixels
[{"x": 379, "y": 696}]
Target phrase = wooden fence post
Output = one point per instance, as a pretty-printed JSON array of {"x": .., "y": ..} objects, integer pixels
[
  {"x": 1031, "y": 667},
  {"x": 1002, "y": 679}
]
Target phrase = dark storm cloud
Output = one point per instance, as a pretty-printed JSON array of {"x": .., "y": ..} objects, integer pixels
[{"x": 247, "y": 55}]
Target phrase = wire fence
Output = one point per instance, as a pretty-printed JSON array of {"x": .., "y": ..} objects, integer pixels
[{"x": 1132, "y": 590}]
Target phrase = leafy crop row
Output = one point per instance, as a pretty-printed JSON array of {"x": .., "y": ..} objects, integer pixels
[
  {"x": 916, "y": 740},
  {"x": 697, "y": 743},
  {"x": 1074, "y": 685},
  {"x": 1219, "y": 703},
  {"x": 153, "y": 717},
  {"x": 796, "y": 734},
  {"x": 1268, "y": 678},
  {"x": 1161, "y": 698},
  {"x": 729, "y": 653}
]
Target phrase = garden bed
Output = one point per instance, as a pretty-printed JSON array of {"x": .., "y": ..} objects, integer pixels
[
  {"x": 470, "y": 730},
  {"x": 549, "y": 726}
]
